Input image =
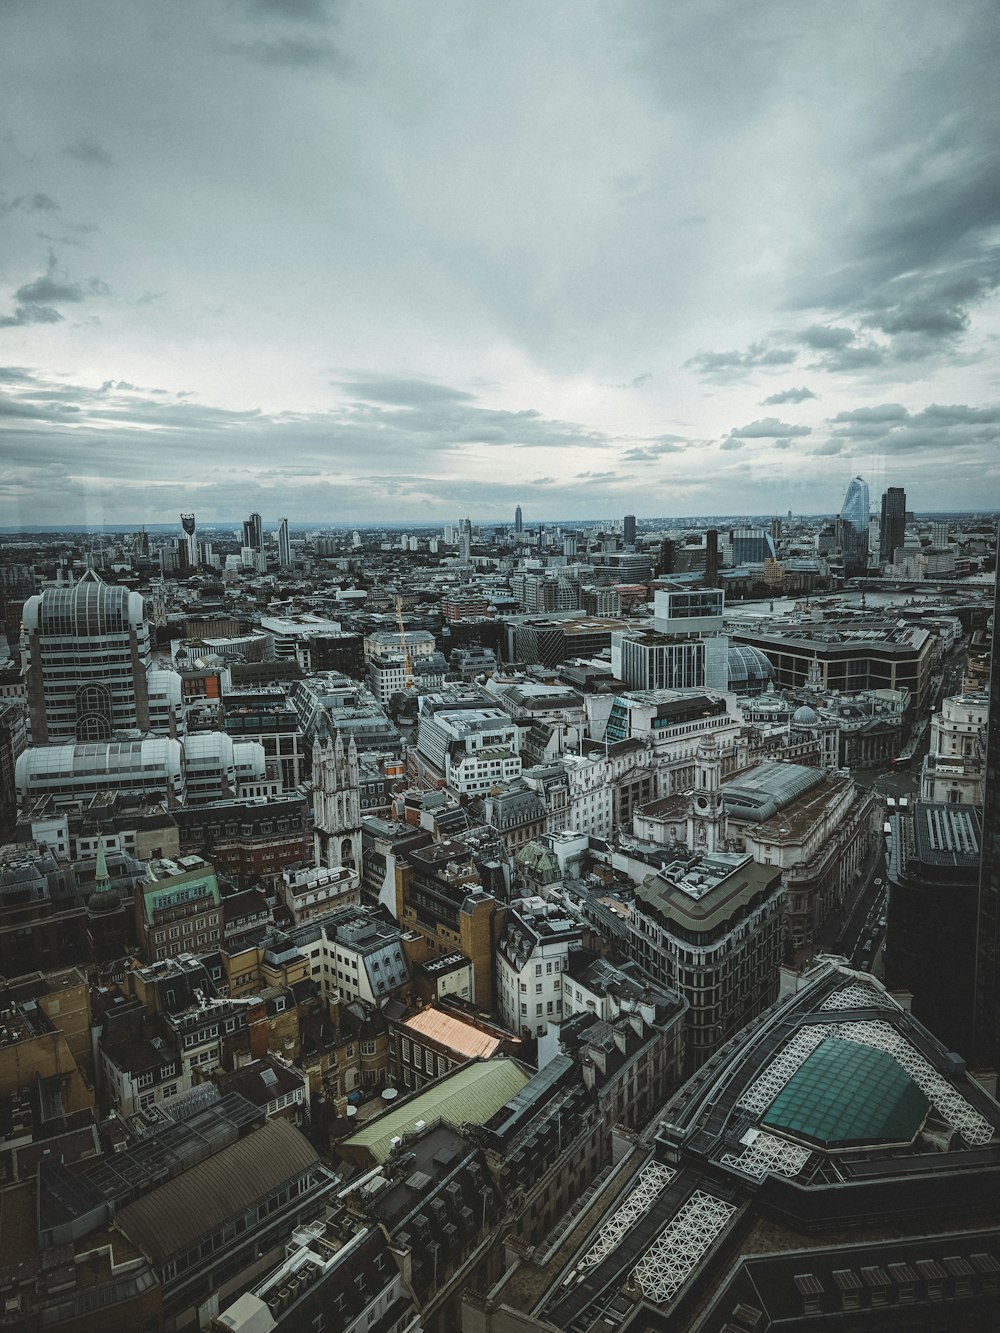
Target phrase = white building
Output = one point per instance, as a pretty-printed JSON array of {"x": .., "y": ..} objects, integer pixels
[
  {"x": 531, "y": 961},
  {"x": 472, "y": 749},
  {"x": 953, "y": 767}
]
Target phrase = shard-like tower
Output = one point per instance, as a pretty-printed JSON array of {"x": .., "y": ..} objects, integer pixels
[{"x": 852, "y": 528}]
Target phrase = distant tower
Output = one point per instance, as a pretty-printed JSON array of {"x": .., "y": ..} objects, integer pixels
[
  {"x": 518, "y": 520},
  {"x": 706, "y": 815},
  {"x": 107, "y": 919},
  {"x": 852, "y": 528},
  {"x": 712, "y": 557},
  {"x": 892, "y": 523},
  {"x": 189, "y": 542},
  {"x": 253, "y": 532},
  {"x": 465, "y": 541},
  {"x": 336, "y": 804},
  {"x": 628, "y": 529},
  {"x": 284, "y": 545}
]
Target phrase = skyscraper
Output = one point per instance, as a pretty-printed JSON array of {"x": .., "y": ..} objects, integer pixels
[
  {"x": 189, "y": 541},
  {"x": 987, "y": 1015},
  {"x": 628, "y": 529},
  {"x": 253, "y": 532},
  {"x": 892, "y": 524},
  {"x": 852, "y": 528},
  {"x": 284, "y": 545},
  {"x": 518, "y": 520},
  {"x": 465, "y": 541},
  {"x": 87, "y": 654}
]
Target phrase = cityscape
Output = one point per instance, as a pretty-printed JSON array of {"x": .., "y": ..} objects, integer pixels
[{"x": 499, "y": 667}]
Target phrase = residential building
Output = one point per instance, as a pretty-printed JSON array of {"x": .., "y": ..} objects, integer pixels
[{"x": 532, "y": 956}]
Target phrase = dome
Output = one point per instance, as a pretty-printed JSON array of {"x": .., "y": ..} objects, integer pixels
[
  {"x": 804, "y": 716},
  {"x": 749, "y": 669}
]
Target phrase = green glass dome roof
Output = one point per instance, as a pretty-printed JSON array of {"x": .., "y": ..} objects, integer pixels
[{"x": 845, "y": 1094}]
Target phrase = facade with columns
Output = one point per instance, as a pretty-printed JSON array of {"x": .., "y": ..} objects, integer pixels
[{"x": 336, "y": 804}]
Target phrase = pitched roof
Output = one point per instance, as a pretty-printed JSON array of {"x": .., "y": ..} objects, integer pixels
[{"x": 173, "y": 1217}]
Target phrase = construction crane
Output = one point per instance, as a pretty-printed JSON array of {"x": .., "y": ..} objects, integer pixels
[{"x": 404, "y": 647}]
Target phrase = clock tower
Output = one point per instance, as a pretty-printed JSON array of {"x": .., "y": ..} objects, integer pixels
[{"x": 706, "y": 816}]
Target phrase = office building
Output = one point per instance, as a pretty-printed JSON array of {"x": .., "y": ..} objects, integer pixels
[
  {"x": 87, "y": 654},
  {"x": 188, "y": 547},
  {"x": 852, "y": 528},
  {"x": 178, "y": 908},
  {"x": 711, "y": 927},
  {"x": 892, "y": 523},
  {"x": 284, "y": 545},
  {"x": 253, "y": 533},
  {"x": 518, "y": 520},
  {"x": 933, "y": 893},
  {"x": 628, "y": 529}
]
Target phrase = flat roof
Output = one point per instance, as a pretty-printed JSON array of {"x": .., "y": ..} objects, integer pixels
[
  {"x": 453, "y": 1033},
  {"x": 846, "y": 1093},
  {"x": 472, "y": 1094}
]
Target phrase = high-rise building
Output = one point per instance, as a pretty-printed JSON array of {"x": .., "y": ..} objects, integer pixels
[
  {"x": 253, "y": 532},
  {"x": 87, "y": 652},
  {"x": 189, "y": 542},
  {"x": 465, "y": 542},
  {"x": 852, "y": 528},
  {"x": 284, "y": 545},
  {"x": 628, "y": 529},
  {"x": 518, "y": 520},
  {"x": 892, "y": 524},
  {"x": 987, "y": 1015}
]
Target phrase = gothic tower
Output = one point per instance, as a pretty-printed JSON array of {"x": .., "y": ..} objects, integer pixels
[
  {"x": 706, "y": 817},
  {"x": 336, "y": 803}
]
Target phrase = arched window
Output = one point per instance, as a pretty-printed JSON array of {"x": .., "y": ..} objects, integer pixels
[{"x": 93, "y": 712}]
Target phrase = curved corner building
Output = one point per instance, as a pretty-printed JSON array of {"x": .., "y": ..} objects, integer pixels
[
  {"x": 852, "y": 527},
  {"x": 88, "y": 653}
]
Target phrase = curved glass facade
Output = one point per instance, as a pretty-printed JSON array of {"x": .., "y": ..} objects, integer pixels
[{"x": 853, "y": 527}]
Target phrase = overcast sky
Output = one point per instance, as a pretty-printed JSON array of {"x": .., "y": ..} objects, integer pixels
[{"x": 350, "y": 260}]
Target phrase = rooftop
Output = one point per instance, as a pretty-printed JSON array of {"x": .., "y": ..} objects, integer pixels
[{"x": 845, "y": 1093}]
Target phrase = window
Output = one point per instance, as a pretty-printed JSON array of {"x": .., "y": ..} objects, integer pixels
[{"x": 368, "y": 1048}]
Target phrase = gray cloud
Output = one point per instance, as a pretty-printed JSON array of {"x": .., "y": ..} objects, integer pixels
[
  {"x": 891, "y": 428},
  {"x": 86, "y": 149},
  {"x": 788, "y": 396},
  {"x": 30, "y": 314},
  {"x": 54, "y": 287},
  {"x": 295, "y": 53},
  {"x": 298, "y": 11},
  {"x": 769, "y": 428},
  {"x": 735, "y": 364}
]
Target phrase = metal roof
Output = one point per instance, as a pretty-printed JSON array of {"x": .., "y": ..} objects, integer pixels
[
  {"x": 171, "y": 1218},
  {"x": 453, "y": 1033},
  {"x": 848, "y": 1093},
  {"x": 471, "y": 1095}
]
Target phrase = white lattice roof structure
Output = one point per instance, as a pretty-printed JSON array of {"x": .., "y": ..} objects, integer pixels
[
  {"x": 680, "y": 1247},
  {"x": 653, "y": 1180}
]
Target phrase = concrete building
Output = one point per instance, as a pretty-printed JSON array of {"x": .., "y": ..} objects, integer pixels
[
  {"x": 954, "y": 766},
  {"x": 87, "y": 652},
  {"x": 178, "y": 908},
  {"x": 934, "y": 853},
  {"x": 710, "y": 927},
  {"x": 533, "y": 954}
]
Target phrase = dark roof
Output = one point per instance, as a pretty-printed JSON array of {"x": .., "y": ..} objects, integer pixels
[
  {"x": 847, "y": 1093},
  {"x": 172, "y": 1218}
]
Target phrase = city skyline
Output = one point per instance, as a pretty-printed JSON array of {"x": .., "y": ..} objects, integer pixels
[{"x": 362, "y": 264}]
